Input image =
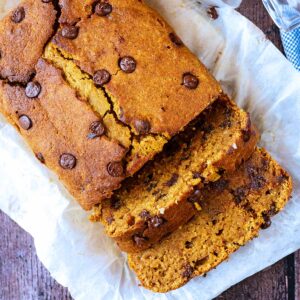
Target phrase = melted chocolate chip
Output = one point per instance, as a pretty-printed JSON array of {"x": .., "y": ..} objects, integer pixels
[
  {"x": 226, "y": 124},
  {"x": 195, "y": 196},
  {"x": 109, "y": 220},
  {"x": 103, "y": 9},
  {"x": 127, "y": 64},
  {"x": 267, "y": 221},
  {"x": 219, "y": 185},
  {"x": 142, "y": 126},
  {"x": 40, "y": 157},
  {"x": 25, "y": 122},
  {"x": 115, "y": 169},
  {"x": 188, "y": 245},
  {"x": 33, "y": 89},
  {"x": 156, "y": 222},
  {"x": 70, "y": 32},
  {"x": 97, "y": 129},
  {"x": 175, "y": 39},
  {"x": 67, "y": 161},
  {"x": 212, "y": 12},
  {"x": 187, "y": 271},
  {"x": 115, "y": 202},
  {"x": 18, "y": 15},
  {"x": 239, "y": 194},
  {"x": 172, "y": 180},
  {"x": 101, "y": 77},
  {"x": 139, "y": 240},
  {"x": 145, "y": 215},
  {"x": 190, "y": 81}
]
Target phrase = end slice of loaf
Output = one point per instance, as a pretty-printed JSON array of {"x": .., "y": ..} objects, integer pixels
[
  {"x": 234, "y": 209},
  {"x": 164, "y": 195}
]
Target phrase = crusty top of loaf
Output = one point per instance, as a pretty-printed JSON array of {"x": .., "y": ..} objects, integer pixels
[
  {"x": 154, "y": 92},
  {"x": 23, "y": 34},
  {"x": 60, "y": 124}
]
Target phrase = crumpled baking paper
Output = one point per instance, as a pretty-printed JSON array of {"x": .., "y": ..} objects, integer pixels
[{"x": 79, "y": 255}]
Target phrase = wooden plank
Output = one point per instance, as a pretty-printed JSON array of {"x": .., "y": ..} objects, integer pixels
[
  {"x": 22, "y": 276},
  {"x": 297, "y": 275}
]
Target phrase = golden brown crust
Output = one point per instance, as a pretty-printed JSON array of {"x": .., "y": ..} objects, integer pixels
[
  {"x": 60, "y": 123},
  {"x": 142, "y": 235},
  {"x": 23, "y": 35},
  {"x": 154, "y": 91},
  {"x": 234, "y": 209}
]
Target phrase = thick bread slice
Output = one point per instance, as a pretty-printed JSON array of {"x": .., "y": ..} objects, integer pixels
[
  {"x": 234, "y": 209},
  {"x": 164, "y": 194}
]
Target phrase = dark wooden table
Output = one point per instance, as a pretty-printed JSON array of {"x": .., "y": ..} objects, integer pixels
[{"x": 22, "y": 276}]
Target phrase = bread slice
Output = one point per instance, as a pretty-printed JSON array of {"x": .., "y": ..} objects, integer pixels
[
  {"x": 164, "y": 194},
  {"x": 234, "y": 209}
]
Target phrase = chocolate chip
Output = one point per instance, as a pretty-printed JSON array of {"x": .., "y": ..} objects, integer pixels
[
  {"x": 195, "y": 196},
  {"x": 175, "y": 39},
  {"x": 226, "y": 124},
  {"x": 40, "y": 157},
  {"x": 142, "y": 126},
  {"x": 172, "y": 180},
  {"x": 267, "y": 221},
  {"x": 46, "y": 1},
  {"x": 1, "y": 54},
  {"x": 212, "y": 12},
  {"x": 239, "y": 194},
  {"x": 18, "y": 15},
  {"x": 103, "y": 9},
  {"x": 190, "y": 81},
  {"x": 197, "y": 175},
  {"x": 67, "y": 161},
  {"x": 156, "y": 222},
  {"x": 25, "y": 122},
  {"x": 33, "y": 89},
  {"x": 70, "y": 32},
  {"x": 139, "y": 240},
  {"x": 115, "y": 202},
  {"x": 109, "y": 220},
  {"x": 281, "y": 178},
  {"x": 97, "y": 129},
  {"x": 127, "y": 64},
  {"x": 219, "y": 185},
  {"x": 101, "y": 77},
  {"x": 144, "y": 214},
  {"x": 187, "y": 271},
  {"x": 115, "y": 169},
  {"x": 188, "y": 245}
]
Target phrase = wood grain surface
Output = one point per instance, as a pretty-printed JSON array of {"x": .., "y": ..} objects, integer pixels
[{"x": 23, "y": 277}]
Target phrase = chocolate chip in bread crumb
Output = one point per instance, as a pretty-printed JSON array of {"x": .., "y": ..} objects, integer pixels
[
  {"x": 267, "y": 221},
  {"x": 70, "y": 32},
  {"x": 172, "y": 180},
  {"x": 115, "y": 202},
  {"x": 156, "y": 221},
  {"x": 33, "y": 89},
  {"x": 67, "y": 161},
  {"x": 115, "y": 169},
  {"x": 187, "y": 271},
  {"x": 18, "y": 15},
  {"x": 142, "y": 126},
  {"x": 190, "y": 81},
  {"x": 127, "y": 64},
  {"x": 40, "y": 157},
  {"x": 145, "y": 215},
  {"x": 103, "y": 9},
  {"x": 109, "y": 220},
  {"x": 46, "y": 1},
  {"x": 188, "y": 245},
  {"x": 195, "y": 196},
  {"x": 101, "y": 77},
  {"x": 175, "y": 39},
  {"x": 25, "y": 122},
  {"x": 139, "y": 240},
  {"x": 97, "y": 129}
]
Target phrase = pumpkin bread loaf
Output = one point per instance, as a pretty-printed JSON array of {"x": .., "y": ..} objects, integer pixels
[
  {"x": 234, "y": 209},
  {"x": 164, "y": 194},
  {"x": 137, "y": 93}
]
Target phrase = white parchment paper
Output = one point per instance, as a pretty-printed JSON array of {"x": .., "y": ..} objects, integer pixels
[{"x": 79, "y": 255}]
